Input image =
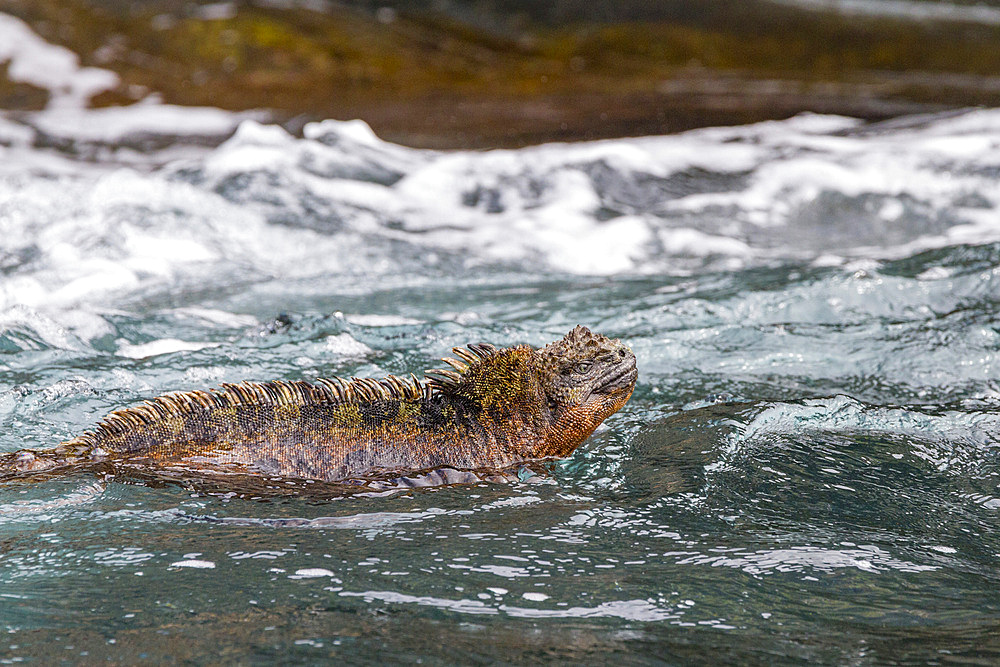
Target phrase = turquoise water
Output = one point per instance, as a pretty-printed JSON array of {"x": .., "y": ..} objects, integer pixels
[{"x": 807, "y": 470}]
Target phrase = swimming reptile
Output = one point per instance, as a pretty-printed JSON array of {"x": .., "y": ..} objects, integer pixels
[{"x": 498, "y": 407}]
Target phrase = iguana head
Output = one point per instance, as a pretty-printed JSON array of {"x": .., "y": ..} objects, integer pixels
[{"x": 586, "y": 378}]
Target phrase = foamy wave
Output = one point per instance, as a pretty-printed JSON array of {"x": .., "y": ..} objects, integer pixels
[
  {"x": 266, "y": 205},
  {"x": 139, "y": 121},
  {"x": 905, "y": 9},
  {"x": 868, "y": 558},
  {"x": 954, "y": 442},
  {"x": 158, "y": 347},
  {"x": 848, "y": 415},
  {"x": 57, "y": 69}
]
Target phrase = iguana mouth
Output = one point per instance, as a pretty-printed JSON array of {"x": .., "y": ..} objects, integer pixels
[{"x": 623, "y": 375}]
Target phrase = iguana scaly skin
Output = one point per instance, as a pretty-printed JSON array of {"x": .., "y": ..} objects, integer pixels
[{"x": 497, "y": 408}]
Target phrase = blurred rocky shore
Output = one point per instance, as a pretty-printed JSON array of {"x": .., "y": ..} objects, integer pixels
[{"x": 491, "y": 73}]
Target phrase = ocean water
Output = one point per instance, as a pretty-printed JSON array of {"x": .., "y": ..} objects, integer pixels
[{"x": 808, "y": 469}]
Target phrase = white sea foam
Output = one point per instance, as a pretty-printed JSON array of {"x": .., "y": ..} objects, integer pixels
[
  {"x": 145, "y": 133},
  {"x": 15, "y": 134},
  {"x": 535, "y": 597},
  {"x": 842, "y": 413},
  {"x": 33, "y": 60},
  {"x": 373, "y": 320},
  {"x": 905, "y": 9},
  {"x": 629, "y": 610},
  {"x": 340, "y": 200},
  {"x": 158, "y": 347},
  {"x": 311, "y": 573},
  {"x": 265, "y": 205},
  {"x": 868, "y": 558},
  {"x": 632, "y": 610},
  {"x": 42, "y": 328},
  {"x": 346, "y": 345},
  {"x": 215, "y": 316},
  {"x": 194, "y": 563},
  {"x": 951, "y": 441},
  {"x": 116, "y": 124}
]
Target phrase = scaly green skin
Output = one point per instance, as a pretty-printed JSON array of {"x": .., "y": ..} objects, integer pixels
[{"x": 499, "y": 407}]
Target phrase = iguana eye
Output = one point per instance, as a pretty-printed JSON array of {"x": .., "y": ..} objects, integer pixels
[{"x": 583, "y": 366}]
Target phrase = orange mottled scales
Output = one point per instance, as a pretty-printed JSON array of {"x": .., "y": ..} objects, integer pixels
[{"x": 496, "y": 408}]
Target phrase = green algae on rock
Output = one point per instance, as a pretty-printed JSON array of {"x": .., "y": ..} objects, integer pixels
[{"x": 429, "y": 79}]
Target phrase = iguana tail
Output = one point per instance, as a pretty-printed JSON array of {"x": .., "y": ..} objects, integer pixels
[{"x": 27, "y": 461}]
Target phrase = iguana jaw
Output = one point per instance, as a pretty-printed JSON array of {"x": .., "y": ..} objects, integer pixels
[
  {"x": 614, "y": 391},
  {"x": 620, "y": 377}
]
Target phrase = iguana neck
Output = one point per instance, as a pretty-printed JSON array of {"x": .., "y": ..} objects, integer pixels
[{"x": 505, "y": 394}]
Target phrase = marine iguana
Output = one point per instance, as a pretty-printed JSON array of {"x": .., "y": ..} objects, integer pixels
[{"x": 498, "y": 407}]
